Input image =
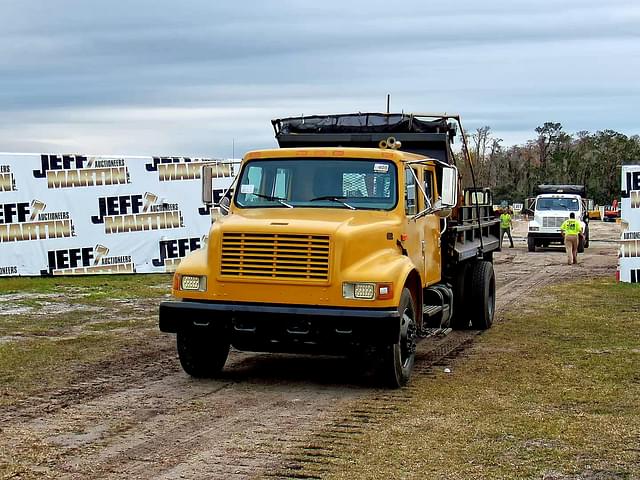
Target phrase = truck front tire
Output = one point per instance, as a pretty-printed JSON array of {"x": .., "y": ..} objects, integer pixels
[
  {"x": 586, "y": 237},
  {"x": 202, "y": 355},
  {"x": 483, "y": 295},
  {"x": 398, "y": 359},
  {"x": 531, "y": 244}
]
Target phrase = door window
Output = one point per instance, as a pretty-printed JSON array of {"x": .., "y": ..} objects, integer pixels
[
  {"x": 409, "y": 192},
  {"x": 428, "y": 188}
]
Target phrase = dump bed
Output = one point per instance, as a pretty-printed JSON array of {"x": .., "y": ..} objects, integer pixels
[
  {"x": 571, "y": 189},
  {"x": 430, "y": 136}
]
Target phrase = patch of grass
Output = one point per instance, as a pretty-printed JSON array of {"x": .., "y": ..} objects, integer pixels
[
  {"x": 54, "y": 305},
  {"x": 56, "y": 331},
  {"x": 42, "y": 364},
  {"x": 69, "y": 321},
  {"x": 109, "y": 325},
  {"x": 100, "y": 286},
  {"x": 51, "y": 323},
  {"x": 551, "y": 390},
  {"x": 30, "y": 302},
  {"x": 18, "y": 460}
]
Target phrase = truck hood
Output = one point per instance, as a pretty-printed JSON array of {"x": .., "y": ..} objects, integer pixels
[
  {"x": 553, "y": 213},
  {"x": 355, "y": 237},
  {"x": 307, "y": 220}
]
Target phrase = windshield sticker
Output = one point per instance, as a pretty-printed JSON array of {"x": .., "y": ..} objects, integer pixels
[
  {"x": 247, "y": 188},
  {"x": 381, "y": 167}
]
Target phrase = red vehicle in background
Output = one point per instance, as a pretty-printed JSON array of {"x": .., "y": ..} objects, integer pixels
[{"x": 612, "y": 212}]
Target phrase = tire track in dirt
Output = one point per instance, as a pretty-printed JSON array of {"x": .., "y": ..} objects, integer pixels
[
  {"x": 315, "y": 456},
  {"x": 269, "y": 415},
  {"x": 177, "y": 427},
  {"x": 138, "y": 363}
]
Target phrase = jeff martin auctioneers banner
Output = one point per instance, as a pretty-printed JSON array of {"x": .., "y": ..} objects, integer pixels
[
  {"x": 629, "y": 261},
  {"x": 76, "y": 214}
]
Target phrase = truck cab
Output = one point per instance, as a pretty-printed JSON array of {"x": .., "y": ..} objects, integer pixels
[
  {"x": 550, "y": 209},
  {"x": 335, "y": 250}
]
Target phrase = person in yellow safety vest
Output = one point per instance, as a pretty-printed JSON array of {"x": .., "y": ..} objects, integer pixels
[
  {"x": 505, "y": 226},
  {"x": 571, "y": 232}
]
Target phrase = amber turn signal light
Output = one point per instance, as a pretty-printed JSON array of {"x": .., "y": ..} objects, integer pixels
[{"x": 385, "y": 291}]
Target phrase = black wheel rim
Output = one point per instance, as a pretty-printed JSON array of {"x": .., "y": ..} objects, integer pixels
[{"x": 407, "y": 338}]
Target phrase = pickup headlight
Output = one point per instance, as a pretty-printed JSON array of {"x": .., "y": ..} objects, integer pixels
[
  {"x": 367, "y": 291},
  {"x": 192, "y": 282}
]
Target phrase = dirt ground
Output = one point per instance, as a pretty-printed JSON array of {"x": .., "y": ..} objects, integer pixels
[{"x": 141, "y": 416}]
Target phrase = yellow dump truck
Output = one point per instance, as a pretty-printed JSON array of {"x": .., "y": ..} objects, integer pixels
[{"x": 353, "y": 238}]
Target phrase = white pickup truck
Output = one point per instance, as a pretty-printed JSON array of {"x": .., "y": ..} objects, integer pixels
[{"x": 550, "y": 208}]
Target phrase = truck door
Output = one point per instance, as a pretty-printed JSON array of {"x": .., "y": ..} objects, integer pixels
[
  {"x": 431, "y": 227},
  {"x": 414, "y": 230}
]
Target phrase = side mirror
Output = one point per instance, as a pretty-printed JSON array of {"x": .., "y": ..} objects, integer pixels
[
  {"x": 225, "y": 202},
  {"x": 207, "y": 191},
  {"x": 449, "y": 194}
]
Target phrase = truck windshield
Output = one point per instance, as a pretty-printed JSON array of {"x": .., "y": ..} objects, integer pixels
[
  {"x": 569, "y": 204},
  {"x": 317, "y": 182}
]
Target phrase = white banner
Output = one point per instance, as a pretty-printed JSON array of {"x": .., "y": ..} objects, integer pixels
[
  {"x": 76, "y": 214},
  {"x": 629, "y": 262}
]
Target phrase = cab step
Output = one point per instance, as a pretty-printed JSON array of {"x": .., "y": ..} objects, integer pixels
[
  {"x": 431, "y": 310},
  {"x": 435, "y": 332}
]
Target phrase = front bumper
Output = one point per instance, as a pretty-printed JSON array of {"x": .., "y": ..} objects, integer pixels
[
  {"x": 546, "y": 236},
  {"x": 283, "y": 328}
]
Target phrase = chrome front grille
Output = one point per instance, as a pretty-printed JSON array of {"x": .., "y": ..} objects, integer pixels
[
  {"x": 552, "y": 222},
  {"x": 275, "y": 256}
]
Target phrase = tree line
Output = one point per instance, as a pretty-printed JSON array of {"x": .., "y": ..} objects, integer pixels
[{"x": 553, "y": 157}]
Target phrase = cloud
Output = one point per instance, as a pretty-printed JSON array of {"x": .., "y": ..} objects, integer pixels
[{"x": 196, "y": 77}]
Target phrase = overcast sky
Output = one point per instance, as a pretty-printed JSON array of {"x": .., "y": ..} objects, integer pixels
[{"x": 196, "y": 78}]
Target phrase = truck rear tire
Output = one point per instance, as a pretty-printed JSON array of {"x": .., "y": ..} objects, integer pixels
[
  {"x": 531, "y": 244},
  {"x": 398, "y": 359},
  {"x": 483, "y": 295},
  {"x": 202, "y": 355}
]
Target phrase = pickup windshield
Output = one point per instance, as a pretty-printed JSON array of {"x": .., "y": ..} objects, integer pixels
[
  {"x": 318, "y": 182},
  {"x": 569, "y": 204}
]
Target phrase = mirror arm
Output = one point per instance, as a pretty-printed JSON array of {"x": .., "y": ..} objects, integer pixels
[
  {"x": 226, "y": 207},
  {"x": 423, "y": 213},
  {"x": 421, "y": 188}
]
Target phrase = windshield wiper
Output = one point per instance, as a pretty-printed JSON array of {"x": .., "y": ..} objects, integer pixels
[
  {"x": 334, "y": 198},
  {"x": 274, "y": 199}
]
